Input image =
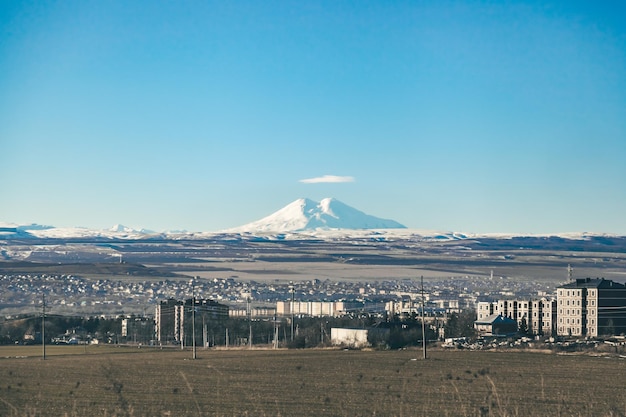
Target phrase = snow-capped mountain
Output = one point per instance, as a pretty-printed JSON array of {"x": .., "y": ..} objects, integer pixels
[{"x": 305, "y": 214}]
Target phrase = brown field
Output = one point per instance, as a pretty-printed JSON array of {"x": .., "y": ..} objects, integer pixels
[{"x": 106, "y": 381}]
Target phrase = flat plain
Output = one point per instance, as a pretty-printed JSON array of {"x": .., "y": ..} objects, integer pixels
[{"x": 110, "y": 381}]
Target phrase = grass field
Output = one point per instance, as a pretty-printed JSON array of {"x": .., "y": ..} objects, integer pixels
[{"x": 109, "y": 381}]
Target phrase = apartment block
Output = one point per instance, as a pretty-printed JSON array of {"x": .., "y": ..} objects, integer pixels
[{"x": 591, "y": 307}]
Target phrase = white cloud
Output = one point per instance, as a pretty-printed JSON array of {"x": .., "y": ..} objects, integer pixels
[{"x": 327, "y": 178}]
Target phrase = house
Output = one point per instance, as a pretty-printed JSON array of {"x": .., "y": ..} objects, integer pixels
[{"x": 495, "y": 325}]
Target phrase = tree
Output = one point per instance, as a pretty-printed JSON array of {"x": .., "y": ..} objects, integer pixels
[
  {"x": 461, "y": 324},
  {"x": 523, "y": 326}
]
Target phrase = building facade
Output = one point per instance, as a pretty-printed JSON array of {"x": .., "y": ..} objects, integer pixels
[
  {"x": 534, "y": 316},
  {"x": 591, "y": 308},
  {"x": 173, "y": 318},
  {"x": 316, "y": 308}
]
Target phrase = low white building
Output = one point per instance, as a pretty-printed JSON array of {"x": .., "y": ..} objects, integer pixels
[{"x": 356, "y": 338}]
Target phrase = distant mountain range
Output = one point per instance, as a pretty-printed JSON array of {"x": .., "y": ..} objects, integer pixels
[
  {"x": 303, "y": 218},
  {"x": 305, "y": 214}
]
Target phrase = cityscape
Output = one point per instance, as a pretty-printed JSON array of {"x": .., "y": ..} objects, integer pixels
[{"x": 374, "y": 208}]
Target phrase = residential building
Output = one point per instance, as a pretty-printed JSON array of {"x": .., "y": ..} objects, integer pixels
[
  {"x": 255, "y": 312},
  {"x": 543, "y": 316},
  {"x": 535, "y": 316},
  {"x": 316, "y": 308},
  {"x": 591, "y": 307},
  {"x": 495, "y": 325},
  {"x": 138, "y": 329},
  {"x": 174, "y": 317}
]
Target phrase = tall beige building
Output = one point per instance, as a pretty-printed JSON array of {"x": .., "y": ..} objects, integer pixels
[{"x": 591, "y": 307}]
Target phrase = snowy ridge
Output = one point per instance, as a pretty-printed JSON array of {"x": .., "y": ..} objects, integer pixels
[
  {"x": 305, "y": 214},
  {"x": 36, "y": 231},
  {"x": 293, "y": 228}
]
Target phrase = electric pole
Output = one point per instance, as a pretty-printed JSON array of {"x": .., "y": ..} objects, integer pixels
[
  {"x": 249, "y": 312},
  {"x": 293, "y": 291},
  {"x": 423, "y": 322},
  {"x": 43, "y": 325},
  {"x": 193, "y": 317}
]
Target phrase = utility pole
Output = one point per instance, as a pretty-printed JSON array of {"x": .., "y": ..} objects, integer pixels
[
  {"x": 249, "y": 311},
  {"x": 205, "y": 334},
  {"x": 43, "y": 325},
  {"x": 275, "y": 333},
  {"x": 423, "y": 322},
  {"x": 193, "y": 317},
  {"x": 293, "y": 291}
]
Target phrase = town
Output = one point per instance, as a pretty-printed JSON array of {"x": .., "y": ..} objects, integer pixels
[{"x": 158, "y": 312}]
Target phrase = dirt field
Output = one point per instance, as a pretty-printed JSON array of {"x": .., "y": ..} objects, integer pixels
[{"x": 100, "y": 381}]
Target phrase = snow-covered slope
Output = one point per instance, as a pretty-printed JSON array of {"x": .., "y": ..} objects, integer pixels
[
  {"x": 15, "y": 231},
  {"x": 306, "y": 214}
]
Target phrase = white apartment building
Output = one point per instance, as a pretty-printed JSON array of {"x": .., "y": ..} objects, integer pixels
[
  {"x": 314, "y": 308},
  {"x": 538, "y": 316}
]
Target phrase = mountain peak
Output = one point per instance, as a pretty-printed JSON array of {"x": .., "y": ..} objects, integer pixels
[{"x": 306, "y": 214}]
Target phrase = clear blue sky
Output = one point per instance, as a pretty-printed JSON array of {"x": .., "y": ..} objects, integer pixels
[{"x": 471, "y": 116}]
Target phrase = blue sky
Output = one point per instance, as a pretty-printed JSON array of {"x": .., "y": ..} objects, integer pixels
[{"x": 472, "y": 116}]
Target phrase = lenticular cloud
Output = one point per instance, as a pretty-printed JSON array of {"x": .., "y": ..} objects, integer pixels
[{"x": 327, "y": 178}]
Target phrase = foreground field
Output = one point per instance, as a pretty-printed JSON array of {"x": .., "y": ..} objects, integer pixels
[{"x": 99, "y": 381}]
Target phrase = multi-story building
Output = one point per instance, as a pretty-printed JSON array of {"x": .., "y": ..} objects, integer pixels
[
  {"x": 591, "y": 307},
  {"x": 253, "y": 312},
  {"x": 543, "y": 316},
  {"x": 536, "y": 316},
  {"x": 316, "y": 308},
  {"x": 138, "y": 329},
  {"x": 173, "y": 317}
]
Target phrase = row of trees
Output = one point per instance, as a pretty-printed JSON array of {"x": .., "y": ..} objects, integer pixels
[
  {"x": 306, "y": 332},
  {"x": 27, "y": 329}
]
